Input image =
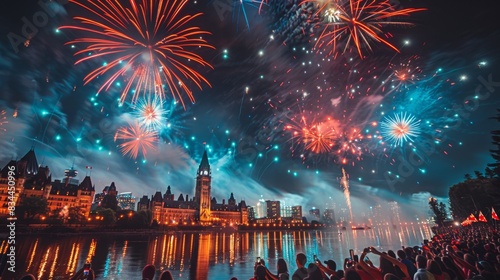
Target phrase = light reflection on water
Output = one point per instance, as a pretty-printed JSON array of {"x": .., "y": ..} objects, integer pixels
[{"x": 203, "y": 255}]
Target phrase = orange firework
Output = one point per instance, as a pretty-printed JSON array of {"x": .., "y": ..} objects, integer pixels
[
  {"x": 147, "y": 42},
  {"x": 318, "y": 138},
  {"x": 361, "y": 21},
  {"x": 136, "y": 138}
]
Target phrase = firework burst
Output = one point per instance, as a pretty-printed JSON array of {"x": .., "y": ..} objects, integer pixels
[
  {"x": 136, "y": 139},
  {"x": 360, "y": 21},
  {"x": 318, "y": 138},
  {"x": 405, "y": 73},
  {"x": 150, "y": 113},
  {"x": 400, "y": 129},
  {"x": 146, "y": 42},
  {"x": 349, "y": 146}
]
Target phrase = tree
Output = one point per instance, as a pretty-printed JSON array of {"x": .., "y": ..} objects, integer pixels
[
  {"x": 473, "y": 196},
  {"x": 495, "y": 152},
  {"x": 67, "y": 214},
  {"x": 478, "y": 174},
  {"x": 146, "y": 216},
  {"x": 439, "y": 210},
  {"x": 34, "y": 206},
  {"x": 110, "y": 201},
  {"x": 468, "y": 177},
  {"x": 108, "y": 215},
  {"x": 489, "y": 172}
]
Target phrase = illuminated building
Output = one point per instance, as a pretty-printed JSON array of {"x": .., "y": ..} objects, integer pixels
[
  {"x": 35, "y": 181},
  {"x": 251, "y": 213},
  {"x": 68, "y": 195},
  {"x": 297, "y": 213},
  {"x": 273, "y": 209},
  {"x": 99, "y": 197},
  {"x": 126, "y": 201},
  {"x": 19, "y": 175},
  {"x": 261, "y": 209},
  {"x": 286, "y": 211},
  {"x": 202, "y": 208},
  {"x": 315, "y": 213}
]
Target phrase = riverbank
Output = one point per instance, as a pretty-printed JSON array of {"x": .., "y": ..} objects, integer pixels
[{"x": 75, "y": 230}]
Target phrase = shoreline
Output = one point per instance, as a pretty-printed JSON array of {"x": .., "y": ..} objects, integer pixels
[{"x": 38, "y": 230}]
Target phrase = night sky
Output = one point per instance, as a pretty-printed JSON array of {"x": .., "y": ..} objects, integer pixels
[{"x": 261, "y": 91}]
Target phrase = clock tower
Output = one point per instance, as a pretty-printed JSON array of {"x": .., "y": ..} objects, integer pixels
[{"x": 202, "y": 191}]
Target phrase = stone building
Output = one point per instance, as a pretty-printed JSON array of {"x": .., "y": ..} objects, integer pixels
[
  {"x": 201, "y": 209},
  {"x": 32, "y": 180}
]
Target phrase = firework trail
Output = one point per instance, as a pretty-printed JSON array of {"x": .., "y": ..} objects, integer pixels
[
  {"x": 147, "y": 42},
  {"x": 242, "y": 3},
  {"x": 344, "y": 183},
  {"x": 135, "y": 139},
  {"x": 361, "y": 21}
]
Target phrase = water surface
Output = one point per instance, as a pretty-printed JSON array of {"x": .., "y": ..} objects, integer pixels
[{"x": 203, "y": 255}]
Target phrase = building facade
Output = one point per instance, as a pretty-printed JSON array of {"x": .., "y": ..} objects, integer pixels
[
  {"x": 126, "y": 201},
  {"x": 297, "y": 213},
  {"x": 200, "y": 209},
  {"x": 273, "y": 209},
  {"x": 32, "y": 180}
]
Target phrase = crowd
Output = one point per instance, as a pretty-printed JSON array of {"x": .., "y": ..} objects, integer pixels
[{"x": 455, "y": 254}]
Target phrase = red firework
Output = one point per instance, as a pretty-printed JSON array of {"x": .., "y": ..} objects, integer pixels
[
  {"x": 318, "y": 138},
  {"x": 147, "y": 42},
  {"x": 361, "y": 21},
  {"x": 136, "y": 138}
]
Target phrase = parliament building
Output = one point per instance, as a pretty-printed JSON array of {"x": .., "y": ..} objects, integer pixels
[{"x": 201, "y": 209}]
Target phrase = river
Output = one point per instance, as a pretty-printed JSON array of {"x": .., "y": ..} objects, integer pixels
[{"x": 203, "y": 255}]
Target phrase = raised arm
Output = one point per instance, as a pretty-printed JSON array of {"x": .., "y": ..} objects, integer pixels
[
  {"x": 465, "y": 266},
  {"x": 374, "y": 272},
  {"x": 395, "y": 262},
  {"x": 325, "y": 269}
]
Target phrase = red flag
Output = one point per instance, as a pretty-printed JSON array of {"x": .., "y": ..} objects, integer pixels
[
  {"x": 466, "y": 222},
  {"x": 472, "y": 218},
  {"x": 494, "y": 215},
  {"x": 482, "y": 218}
]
